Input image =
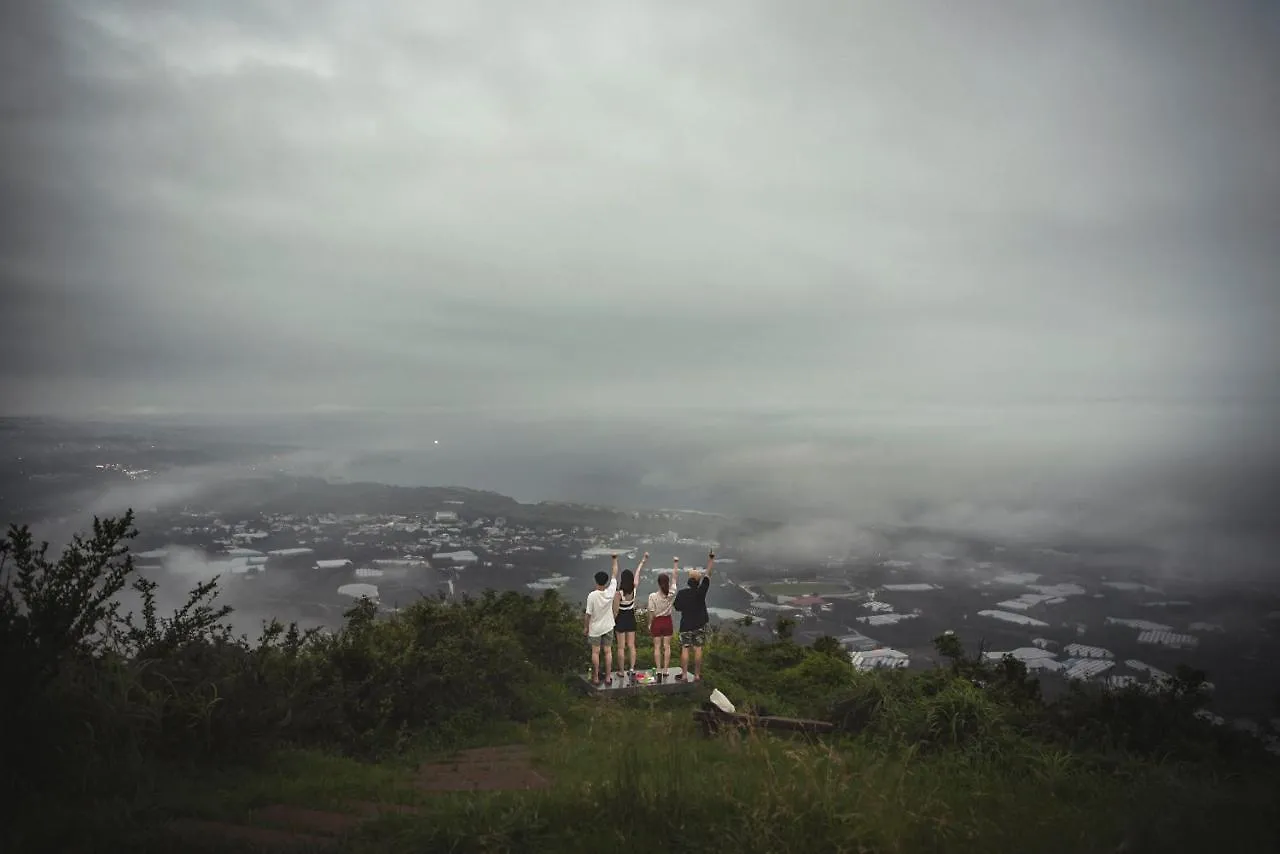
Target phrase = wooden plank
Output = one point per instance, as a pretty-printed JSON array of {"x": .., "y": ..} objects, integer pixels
[{"x": 713, "y": 720}]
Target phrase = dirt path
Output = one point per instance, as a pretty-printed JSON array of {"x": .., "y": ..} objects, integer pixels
[{"x": 285, "y": 826}]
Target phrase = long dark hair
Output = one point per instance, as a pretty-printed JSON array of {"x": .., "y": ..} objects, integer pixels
[
  {"x": 664, "y": 584},
  {"x": 627, "y": 582}
]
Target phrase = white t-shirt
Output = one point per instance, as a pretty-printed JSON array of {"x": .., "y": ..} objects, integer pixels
[
  {"x": 600, "y": 609},
  {"x": 659, "y": 605}
]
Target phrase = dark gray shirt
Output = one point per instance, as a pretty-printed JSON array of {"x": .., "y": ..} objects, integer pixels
[{"x": 691, "y": 602}]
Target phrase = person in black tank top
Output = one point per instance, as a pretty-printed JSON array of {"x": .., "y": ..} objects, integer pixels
[{"x": 625, "y": 618}]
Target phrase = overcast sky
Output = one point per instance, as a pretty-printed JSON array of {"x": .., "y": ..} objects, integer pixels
[
  {"x": 565, "y": 205},
  {"x": 992, "y": 265}
]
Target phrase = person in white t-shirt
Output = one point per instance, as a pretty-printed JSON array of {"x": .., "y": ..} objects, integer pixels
[{"x": 598, "y": 622}]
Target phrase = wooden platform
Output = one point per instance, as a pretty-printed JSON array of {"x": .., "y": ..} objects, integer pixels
[{"x": 626, "y": 688}]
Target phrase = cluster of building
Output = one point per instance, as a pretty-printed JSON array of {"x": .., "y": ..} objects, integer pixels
[
  {"x": 440, "y": 539},
  {"x": 367, "y": 555}
]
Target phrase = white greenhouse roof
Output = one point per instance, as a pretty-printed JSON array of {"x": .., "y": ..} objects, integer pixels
[
  {"x": 1020, "y": 619},
  {"x": 355, "y": 591}
]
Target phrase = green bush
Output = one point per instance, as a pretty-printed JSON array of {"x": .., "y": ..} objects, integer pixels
[
  {"x": 93, "y": 688},
  {"x": 971, "y": 704}
]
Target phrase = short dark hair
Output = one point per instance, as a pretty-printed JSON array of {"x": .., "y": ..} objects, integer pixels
[
  {"x": 602, "y": 578},
  {"x": 693, "y": 582}
]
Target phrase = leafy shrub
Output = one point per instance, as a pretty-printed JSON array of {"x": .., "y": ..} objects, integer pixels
[
  {"x": 93, "y": 687},
  {"x": 830, "y": 646},
  {"x": 961, "y": 713},
  {"x": 971, "y": 703},
  {"x": 810, "y": 684}
]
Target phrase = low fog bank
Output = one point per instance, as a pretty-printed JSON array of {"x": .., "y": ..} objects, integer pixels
[
  {"x": 1191, "y": 485},
  {"x": 1193, "y": 489},
  {"x": 185, "y": 567}
]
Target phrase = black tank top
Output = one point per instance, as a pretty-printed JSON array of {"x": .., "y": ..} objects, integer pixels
[{"x": 626, "y": 604}]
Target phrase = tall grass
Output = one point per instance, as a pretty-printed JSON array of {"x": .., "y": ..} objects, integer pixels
[{"x": 636, "y": 778}]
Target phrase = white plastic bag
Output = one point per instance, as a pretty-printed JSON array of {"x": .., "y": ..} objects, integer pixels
[{"x": 722, "y": 702}]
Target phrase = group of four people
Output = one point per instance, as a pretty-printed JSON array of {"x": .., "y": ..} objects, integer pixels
[{"x": 611, "y": 609}]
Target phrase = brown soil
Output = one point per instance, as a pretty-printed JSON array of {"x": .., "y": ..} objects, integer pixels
[
  {"x": 369, "y": 809},
  {"x": 505, "y": 768},
  {"x": 482, "y": 769},
  {"x": 304, "y": 820}
]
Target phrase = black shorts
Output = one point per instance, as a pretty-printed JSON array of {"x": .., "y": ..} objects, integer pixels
[{"x": 626, "y": 622}]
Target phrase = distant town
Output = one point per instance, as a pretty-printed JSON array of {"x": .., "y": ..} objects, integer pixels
[
  {"x": 306, "y": 549},
  {"x": 1064, "y": 622}
]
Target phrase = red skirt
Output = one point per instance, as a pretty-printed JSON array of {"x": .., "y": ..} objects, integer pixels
[{"x": 661, "y": 627}]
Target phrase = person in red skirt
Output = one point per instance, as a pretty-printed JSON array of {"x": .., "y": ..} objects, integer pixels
[{"x": 660, "y": 625}]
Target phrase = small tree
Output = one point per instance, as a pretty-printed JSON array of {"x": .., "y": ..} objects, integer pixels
[
  {"x": 785, "y": 628},
  {"x": 64, "y": 645},
  {"x": 948, "y": 646},
  {"x": 1188, "y": 687},
  {"x": 976, "y": 668},
  {"x": 827, "y": 645},
  {"x": 52, "y": 611}
]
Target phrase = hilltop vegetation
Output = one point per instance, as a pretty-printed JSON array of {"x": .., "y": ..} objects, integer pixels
[{"x": 114, "y": 708}]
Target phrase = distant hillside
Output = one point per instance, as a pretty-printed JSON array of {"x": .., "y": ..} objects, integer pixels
[{"x": 313, "y": 495}]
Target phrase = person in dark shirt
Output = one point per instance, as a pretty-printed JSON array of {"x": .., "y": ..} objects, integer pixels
[{"x": 691, "y": 603}]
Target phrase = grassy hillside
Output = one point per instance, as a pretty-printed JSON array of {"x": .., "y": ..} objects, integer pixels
[{"x": 127, "y": 724}]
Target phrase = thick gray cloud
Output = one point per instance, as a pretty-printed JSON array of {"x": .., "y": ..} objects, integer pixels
[
  {"x": 286, "y": 205},
  {"x": 1017, "y": 260}
]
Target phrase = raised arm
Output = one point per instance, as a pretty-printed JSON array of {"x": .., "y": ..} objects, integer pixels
[
  {"x": 613, "y": 581},
  {"x": 643, "y": 560},
  {"x": 711, "y": 559}
]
